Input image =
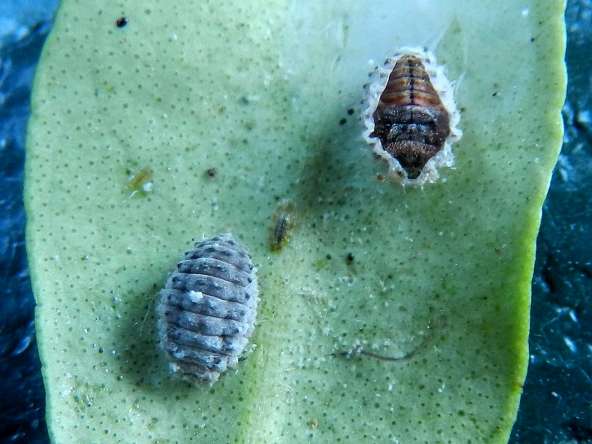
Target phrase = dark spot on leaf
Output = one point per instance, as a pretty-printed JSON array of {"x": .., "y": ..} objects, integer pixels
[
  {"x": 211, "y": 172},
  {"x": 121, "y": 22}
]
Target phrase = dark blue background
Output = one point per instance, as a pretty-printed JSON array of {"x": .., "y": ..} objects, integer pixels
[{"x": 557, "y": 401}]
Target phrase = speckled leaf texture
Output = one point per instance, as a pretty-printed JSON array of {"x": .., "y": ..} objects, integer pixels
[{"x": 390, "y": 314}]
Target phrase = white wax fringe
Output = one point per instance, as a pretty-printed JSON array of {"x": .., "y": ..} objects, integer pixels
[{"x": 444, "y": 88}]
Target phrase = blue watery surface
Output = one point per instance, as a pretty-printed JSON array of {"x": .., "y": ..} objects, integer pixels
[
  {"x": 557, "y": 401},
  {"x": 23, "y": 27}
]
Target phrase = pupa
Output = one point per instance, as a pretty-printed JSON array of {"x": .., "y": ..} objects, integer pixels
[
  {"x": 206, "y": 311},
  {"x": 411, "y": 117}
]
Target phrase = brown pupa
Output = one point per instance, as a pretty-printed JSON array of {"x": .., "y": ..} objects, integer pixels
[{"x": 413, "y": 116}]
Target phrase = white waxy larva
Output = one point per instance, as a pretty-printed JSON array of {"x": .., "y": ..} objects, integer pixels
[{"x": 206, "y": 311}]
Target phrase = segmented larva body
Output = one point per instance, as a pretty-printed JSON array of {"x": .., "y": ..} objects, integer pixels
[
  {"x": 283, "y": 223},
  {"x": 207, "y": 310},
  {"x": 412, "y": 114},
  {"x": 279, "y": 234}
]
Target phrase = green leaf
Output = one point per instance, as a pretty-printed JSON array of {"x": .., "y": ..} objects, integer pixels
[{"x": 200, "y": 117}]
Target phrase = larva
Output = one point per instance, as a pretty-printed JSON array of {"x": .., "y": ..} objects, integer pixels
[
  {"x": 206, "y": 311},
  {"x": 412, "y": 114},
  {"x": 280, "y": 231},
  {"x": 283, "y": 223}
]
